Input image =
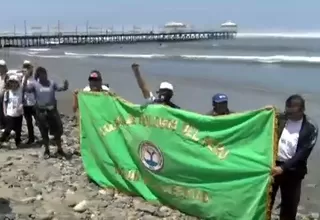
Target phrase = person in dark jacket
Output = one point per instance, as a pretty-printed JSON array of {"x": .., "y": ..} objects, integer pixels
[
  {"x": 219, "y": 105},
  {"x": 297, "y": 137}
]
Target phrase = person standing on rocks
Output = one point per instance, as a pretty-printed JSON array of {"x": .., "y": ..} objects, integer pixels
[
  {"x": 13, "y": 109},
  {"x": 298, "y": 135},
  {"x": 95, "y": 85},
  {"x": 165, "y": 92},
  {"x": 29, "y": 102},
  {"x": 47, "y": 114},
  {"x": 3, "y": 79}
]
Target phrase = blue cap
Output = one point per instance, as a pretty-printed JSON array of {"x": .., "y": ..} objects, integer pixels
[{"x": 219, "y": 97}]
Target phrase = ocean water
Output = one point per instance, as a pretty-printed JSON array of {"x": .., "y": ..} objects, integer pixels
[
  {"x": 279, "y": 62},
  {"x": 270, "y": 60}
]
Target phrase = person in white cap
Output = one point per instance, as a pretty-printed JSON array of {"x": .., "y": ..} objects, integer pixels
[
  {"x": 13, "y": 108},
  {"x": 29, "y": 101},
  {"x": 165, "y": 92},
  {"x": 3, "y": 79}
]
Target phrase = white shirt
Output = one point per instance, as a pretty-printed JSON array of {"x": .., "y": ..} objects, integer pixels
[
  {"x": 29, "y": 97},
  {"x": 104, "y": 88},
  {"x": 13, "y": 100},
  {"x": 289, "y": 140}
]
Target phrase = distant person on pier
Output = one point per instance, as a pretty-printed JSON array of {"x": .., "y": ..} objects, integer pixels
[
  {"x": 297, "y": 137},
  {"x": 219, "y": 105},
  {"x": 47, "y": 114},
  {"x": 3, "y": 79},
  {"x": 165, "y": 92},
  {"x": 95, "y": 85},
  {"x": 29, "y": 101}
]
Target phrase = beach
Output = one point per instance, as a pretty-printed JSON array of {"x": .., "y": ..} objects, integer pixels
[{"x": 253, "y": 73}]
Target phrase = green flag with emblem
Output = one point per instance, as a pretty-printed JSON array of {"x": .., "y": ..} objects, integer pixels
[{"x": 209, "y": 167}]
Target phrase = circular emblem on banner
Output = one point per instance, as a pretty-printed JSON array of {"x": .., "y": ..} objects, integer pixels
[{"x": 151, "y": 156}]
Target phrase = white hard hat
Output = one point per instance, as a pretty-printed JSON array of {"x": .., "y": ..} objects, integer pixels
[
  {"x": 26, "y": 62},
  {"x": 2, "y": 63},
  {"x": 166, "y": 85}
]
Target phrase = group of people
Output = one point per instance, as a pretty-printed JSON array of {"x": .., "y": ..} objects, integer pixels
[
  {"x": 30, "y": 94},
  {"x": 33, "y": 96},
  {"x": 297, "y": 137}
]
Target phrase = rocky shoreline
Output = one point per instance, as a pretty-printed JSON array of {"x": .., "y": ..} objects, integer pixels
[{"x": 34, "y": 188}]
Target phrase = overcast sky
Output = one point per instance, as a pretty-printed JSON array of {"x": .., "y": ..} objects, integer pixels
[{"x": 257, "y": 15}]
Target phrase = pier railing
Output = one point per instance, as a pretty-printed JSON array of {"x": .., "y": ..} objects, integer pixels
[{"x": 79, "y": 38}]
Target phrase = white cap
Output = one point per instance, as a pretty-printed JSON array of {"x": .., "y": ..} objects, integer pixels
[
  {"x": 26, "y": 62},
  {"x": 2, "y": 63},
  {"x": 166, "y": 85},
  {"x": 14, "y": 78}
]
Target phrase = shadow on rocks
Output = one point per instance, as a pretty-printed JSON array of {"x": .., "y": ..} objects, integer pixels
[
  {"x": 66, "y": 156},
  {"x": 5, "y": 208},
  {"x": 36, "y": 144}
]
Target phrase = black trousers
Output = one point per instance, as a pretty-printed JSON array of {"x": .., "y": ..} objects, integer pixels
[
  {"x": 29, "y": 112},
  {"x": 2, "y": 116},
  {"x": 290, "y": 188},
  {"x": 12, "y": 124},
  {"x": 49, "y": 121}
]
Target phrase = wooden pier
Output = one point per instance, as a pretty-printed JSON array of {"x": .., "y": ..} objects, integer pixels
[{"x": 82, "y": 39}]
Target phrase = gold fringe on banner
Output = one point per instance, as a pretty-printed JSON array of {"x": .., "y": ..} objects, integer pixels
[{"x": 275, "y": 153}]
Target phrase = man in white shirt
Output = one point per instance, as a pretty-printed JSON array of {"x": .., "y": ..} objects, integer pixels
[
  {"x": 29, "y": 102},
  {"x": 3, "y": 78},
  {"x": 165, "y": 92},
  {"x": 96, "y": 82},
  {"x": 297, "y": 137},
  {"x": 13, "y": 109},
  {"x": 95, "y": 85}
]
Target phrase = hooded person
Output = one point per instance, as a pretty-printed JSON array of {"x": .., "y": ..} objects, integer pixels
[
  {"x": 165, "y": 92},
  {"x": 48, "y": 116},
  {"x": 13, "y": 109},
  {"x": 95, "y": 85}
]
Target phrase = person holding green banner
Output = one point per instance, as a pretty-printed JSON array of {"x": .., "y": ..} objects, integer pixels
[
  {"x": 165, "y": 92},
  {"x": 220, "y": 105},
  {"x": 298, "y": 135},
  {"x": 95, "y": 85}
]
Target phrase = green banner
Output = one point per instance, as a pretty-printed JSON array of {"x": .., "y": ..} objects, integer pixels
[{"x": 210, "y": 167}]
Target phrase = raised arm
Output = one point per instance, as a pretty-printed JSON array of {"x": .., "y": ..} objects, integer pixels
[
  {"x": 141, "y": 83},
  {"x": 62, "y": 88},
  {"x": 75, "y": 105}
]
